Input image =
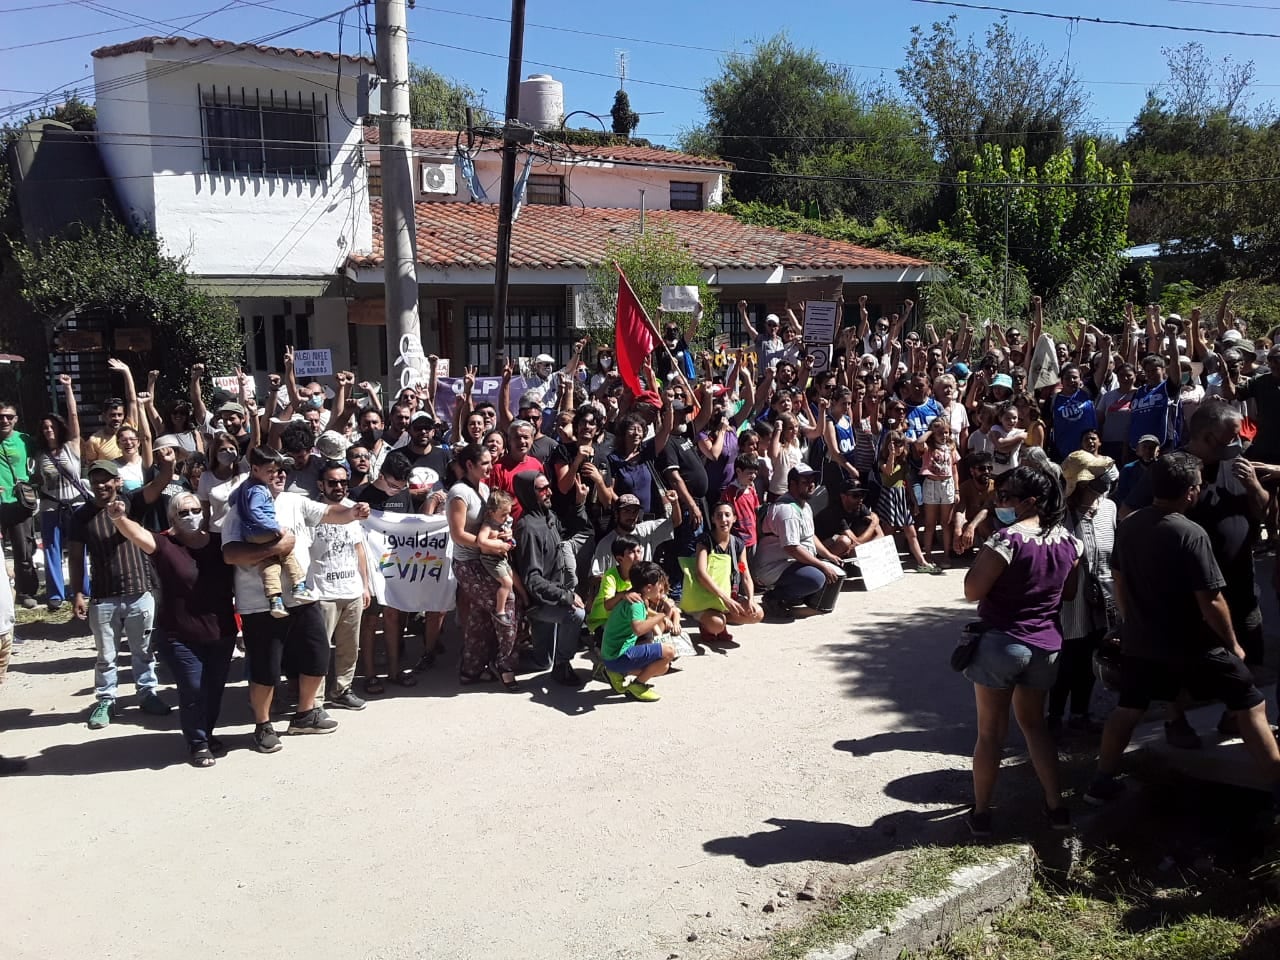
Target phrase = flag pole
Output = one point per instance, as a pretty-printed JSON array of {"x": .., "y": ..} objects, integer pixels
[{"x": 657, "y": 335}]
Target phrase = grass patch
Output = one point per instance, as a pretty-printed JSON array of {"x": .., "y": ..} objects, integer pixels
[
  {"x": 41, "y": 614},
  {"x": 925, "y": 872}
]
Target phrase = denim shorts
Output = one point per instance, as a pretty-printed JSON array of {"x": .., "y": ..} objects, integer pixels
[
  {"x": 636, "y": 658},
  {"x": 1004, "y": 663}
]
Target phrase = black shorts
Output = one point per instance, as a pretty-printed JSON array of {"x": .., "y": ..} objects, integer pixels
[
  {"x": 1217, "y": 675},
  {"x": 300, "y": 637},
  {"x": 1248, "y": 631}
]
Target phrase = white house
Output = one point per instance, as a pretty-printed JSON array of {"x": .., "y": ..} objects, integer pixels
[
  {"x": 250, "y": 161},
  {"x": 247, "y": 160}
]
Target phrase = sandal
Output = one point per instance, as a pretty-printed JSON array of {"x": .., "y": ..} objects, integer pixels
[
  {"x": 404, "y": 678},
  {"x": 201, "y": 757},
  {"x": 374, "y": 686},
  {"x": 512, "y": 684},
  {"x": 483, "y": 675}
]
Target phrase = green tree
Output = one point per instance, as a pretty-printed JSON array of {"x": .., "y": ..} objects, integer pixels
[
  {"x": 624, "y": 118},
  {"x": 1062, "y": 223},
  {"x": 437, "y": 102},
  {"x": 782, "y": 110},
  {"x": 1008, "y": 90},
  {"x": 127, "y": 275},
  {"x": 651, "y": 260}
]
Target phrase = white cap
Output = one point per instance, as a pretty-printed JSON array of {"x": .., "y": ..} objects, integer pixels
[{"x": 544, "y": 358}]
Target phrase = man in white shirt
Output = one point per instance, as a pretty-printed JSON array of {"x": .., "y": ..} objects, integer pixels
[
  {"x": 340, "y": 579},
  {"x": 790, "y": 561},
  {"x": 301, "y": 635}
]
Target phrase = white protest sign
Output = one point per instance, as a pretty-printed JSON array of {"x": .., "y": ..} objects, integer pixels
[
  {"x": 442, "y": 367},
  {"x": 410, "y": 560},
  {"x": 878, "y": 562},
  {"x": 680, "y": 299},
  {"x": 231, "y": 384},
  {"x": 820, "y": 354},
  {"x": 313, "y": 363},
  {"x": 820, "y": 321}
]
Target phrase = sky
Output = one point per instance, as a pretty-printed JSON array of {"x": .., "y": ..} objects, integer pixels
[{"x": 673, "y": 47}]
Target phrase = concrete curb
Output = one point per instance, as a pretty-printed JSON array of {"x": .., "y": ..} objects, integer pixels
[{"x": 975, "y": 893}]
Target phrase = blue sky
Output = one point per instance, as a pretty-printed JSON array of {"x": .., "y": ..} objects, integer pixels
[{"x": 1118, "y": 63}]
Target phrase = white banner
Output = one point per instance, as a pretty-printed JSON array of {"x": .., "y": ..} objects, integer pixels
[
  {"x": 312, "y": 363},
  {"x": 410, "y": 560}
]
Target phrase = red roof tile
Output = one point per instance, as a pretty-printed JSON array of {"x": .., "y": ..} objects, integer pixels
[
  {"x": 464, "y": 235},
  {"x": 149, "y": 44},
  {"x": 444, "y": 142}
]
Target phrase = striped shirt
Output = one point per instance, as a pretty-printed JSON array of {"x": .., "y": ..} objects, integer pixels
[
  {"x": 1098, "y": 533},
  {"x": 117, "y": 568}
]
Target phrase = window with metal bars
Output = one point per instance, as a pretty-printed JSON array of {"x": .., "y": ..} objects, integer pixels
[
  {"x": 531, "y": 330},
  {"x": 545, "y": 188},
  {"x": 276, "y": 133},
  {"x": 375, "y": 179},
  {"x": 686, "y": 196}
]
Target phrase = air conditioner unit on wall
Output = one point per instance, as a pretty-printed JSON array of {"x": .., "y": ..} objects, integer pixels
[
  {"x": 577, "y": 306},
  {"x": 439, "y": 177}
]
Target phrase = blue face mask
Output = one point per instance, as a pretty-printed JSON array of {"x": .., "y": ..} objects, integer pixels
[{"x": 1006, "y": 515}]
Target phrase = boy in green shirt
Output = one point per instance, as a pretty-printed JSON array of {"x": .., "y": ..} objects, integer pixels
[{"x": 640, "y": 611}]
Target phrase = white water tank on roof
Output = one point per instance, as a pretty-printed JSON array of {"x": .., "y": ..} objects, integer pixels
[{"x": 541, "y": 101}]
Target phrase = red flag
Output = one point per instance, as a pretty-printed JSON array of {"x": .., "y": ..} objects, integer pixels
[{"x": 634, "y": 335}]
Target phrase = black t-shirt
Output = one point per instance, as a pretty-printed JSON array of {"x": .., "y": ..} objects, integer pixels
[
  {"x": 379, "y": 499},
  {"x": 833, "y": 520},
  {"x": 1164, "y": 558},
  {"x": 435, "y": 460},
  {"x": 574, "y": 518},
  {"x": 681, "y": 453},
  {"x": 543, "y": 447}
]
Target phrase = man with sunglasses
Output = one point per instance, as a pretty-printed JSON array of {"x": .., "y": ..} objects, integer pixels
[
  {"x": 340, "y": 580},
  {"x": 17, "y": 523}
]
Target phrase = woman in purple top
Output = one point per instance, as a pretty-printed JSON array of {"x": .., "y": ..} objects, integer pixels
[{"x": 1020, "y": 578}]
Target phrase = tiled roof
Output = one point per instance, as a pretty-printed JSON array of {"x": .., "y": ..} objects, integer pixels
[
  {"x": 444, "y": 141},
  {"x": 149, "y": 44},
  {"x": 464, "y": 235}
]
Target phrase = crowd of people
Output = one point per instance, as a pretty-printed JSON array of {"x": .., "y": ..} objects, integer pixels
[{"x": 729, "y": 488}]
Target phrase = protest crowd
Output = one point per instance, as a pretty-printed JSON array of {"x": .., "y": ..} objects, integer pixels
[{"x": 1106, "y": 494}]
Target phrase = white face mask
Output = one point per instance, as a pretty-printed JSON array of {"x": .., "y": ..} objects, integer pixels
[
  {"x": 606, "y": 363},
  {"x": 189, "y": 524}
]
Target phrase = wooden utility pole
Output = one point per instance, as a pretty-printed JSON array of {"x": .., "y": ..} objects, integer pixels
[
  {"x": 395, "y": 139},
  {"x": 506, "y": 203}
]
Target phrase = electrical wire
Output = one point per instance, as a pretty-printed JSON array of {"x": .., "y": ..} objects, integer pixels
[{"x": 1099, "y": 20}]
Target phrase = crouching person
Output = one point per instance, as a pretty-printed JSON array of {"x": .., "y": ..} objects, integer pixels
[
  {"x": 794, "y": 566},
  {"x": 642, "y": 612},
  {"x": 721, "y": 593}
]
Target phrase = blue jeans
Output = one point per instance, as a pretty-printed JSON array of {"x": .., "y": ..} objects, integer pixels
[
  {"x": 112, "y": 619},
  {"x": 798, "y": 583},
  {"x": 200, "y": 670},
  {"x": 555, "y": 630},
  {"x": 52, "y": 530}
]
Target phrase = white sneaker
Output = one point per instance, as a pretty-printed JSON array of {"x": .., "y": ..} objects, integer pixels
[{"x": 302, "y": 594}]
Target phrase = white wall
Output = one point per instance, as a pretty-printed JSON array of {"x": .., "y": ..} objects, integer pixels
[
  {"x": 226, "y": 224},
  {"x": 593, "y": 184}
]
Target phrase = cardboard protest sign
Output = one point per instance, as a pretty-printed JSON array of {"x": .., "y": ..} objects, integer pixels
[
  {"x": 312, "y": 363},
  {"x": 879, "y": 563},
  {"x": 814, "y": 288}
]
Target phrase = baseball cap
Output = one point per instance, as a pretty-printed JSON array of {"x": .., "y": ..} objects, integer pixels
[
  {"x": 627, "y": 500},
  {"x": 960, "y": 371},
  {"x": 422, "y": 416},
  {"x": 800, "y": 472},
  {"x": 772, "y": 318},
  {"x": 1231, "y": 336},
  {"x": 1148, "y": 438},
  {"x": 230, "y": 407},
  {"x": 853, "y": 488},
  {"x": 106, "y": 466},
  {"x": 331, "y": 445}
]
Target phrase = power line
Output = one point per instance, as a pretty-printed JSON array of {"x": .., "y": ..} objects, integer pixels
[{"x": 1076, "y": 18}]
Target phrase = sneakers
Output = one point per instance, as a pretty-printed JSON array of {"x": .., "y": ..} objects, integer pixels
[
  {"x": 27, "y": 603},
  {"x": 616, "y": 680},
  {"x": 277, "y": 607},
  {"x": 642, "y": 692},
  {"x": 1178, "y": 733},
  {"x": 302, "y": 594},
  {"x": 265, "y": 738},
  {"x": 599, "y": 673},
  {"x": 1059, "y": 818},
  {"x": 101, "y": 714},
  {"x": 1103, "y": 790},
  {"x": 566, "y": 676},
  {"x": 347, "y": 700},
  {"x": 314, "y": 720},
  {"x": 979, "y": 824},
  {"x": 152, "y": 704}
]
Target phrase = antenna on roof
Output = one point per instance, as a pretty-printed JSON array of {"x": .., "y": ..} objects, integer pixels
[{"x": 621, "y": 57}]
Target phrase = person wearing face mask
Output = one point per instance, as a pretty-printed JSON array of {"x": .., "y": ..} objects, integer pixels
[
  {"x": 1086, "y": 617},
  {"x": 227, "y": 470},
  {"x": 604, "y": 370},
  {"x": 677, "y": 359},
  {"x": 1019, "y": 580},
  {"x": 196, "y": 615},
  {"x": 371, "y": 439},
  {"x": 1231, "y": 507}
]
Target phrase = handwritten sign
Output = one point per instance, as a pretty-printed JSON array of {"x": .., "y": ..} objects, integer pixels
[
  {"x": 820, "y": 321},
  {"x": 680, "y": 299},
  {"x": 878, "y": 562},
  {"x": 313, "y": 363},
  {"x": 232, "y": 385}
]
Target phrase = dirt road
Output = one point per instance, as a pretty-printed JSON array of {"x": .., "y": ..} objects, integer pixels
[{"x": 477, "y": 823}]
